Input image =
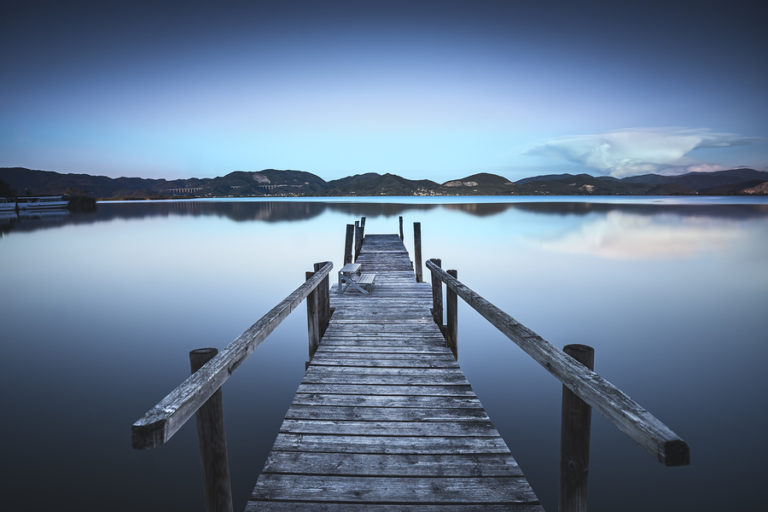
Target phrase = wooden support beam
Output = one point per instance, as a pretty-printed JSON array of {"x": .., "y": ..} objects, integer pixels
[
  {"x": 417, "y": 251},
  {"x": 358, "y": 239},
  {"x": 324, "y": 299},
  {"x": 401, "y": 228},
  {"x": 627, "y": 415},
  {"x": 313, "y": 319},
  {"x": 451, "y": 318},
  {"x": 213, "y": 442},
  {"x": 574, "y": 439},
  {"x": 437, "y": 294},
  {"x": 349, "y": 239},
  {"x": 362, "y": 227}
]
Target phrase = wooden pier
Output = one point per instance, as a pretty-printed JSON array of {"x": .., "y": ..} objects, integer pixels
[{"x": 384, "y": 418}]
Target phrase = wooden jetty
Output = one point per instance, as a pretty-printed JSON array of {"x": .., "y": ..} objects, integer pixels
[{"x": 384, "y": 418}]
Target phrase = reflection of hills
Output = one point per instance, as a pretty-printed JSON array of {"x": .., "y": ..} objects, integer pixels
[
  {"x": 288, "y": 211},
  {"x": 377, "y": 209},
  {"x": 479, "y": 209}
]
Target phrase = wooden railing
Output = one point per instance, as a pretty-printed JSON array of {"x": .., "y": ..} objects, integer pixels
[
  {"x": 627, "y": 415},
  {"x": 200, "y": 392}
]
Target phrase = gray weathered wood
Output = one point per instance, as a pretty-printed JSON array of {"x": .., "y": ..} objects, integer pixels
[
  {"x": 348, "y": 240},
  {"x": 393, "y": 490},
  {"x": 451, "y": 318},
  {"x": 313, "y": 506},
  {"x": 417, "y": 251},
  {"x": 332, "y": 412},
  {"x": 414, "y": 445},
  {"x": 374, "y": 464},
  {"x": 576, "y": 418},
  {"x": 626, "y": 414},
  {"x": 323, "y": 299},
  {"x": 467, "y": 428},
  {"x": 358, "y": 239},
  {"x": 437, "y": 293},
  {"x": 168, "y": 415},
  {"x": 212, "y": 440},
  {"x": 384, "y": 416},
  {"x": 313, "y": 319}
]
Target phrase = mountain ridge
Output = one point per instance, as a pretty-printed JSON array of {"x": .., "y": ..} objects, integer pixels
[{"x": 294, "y": 183}]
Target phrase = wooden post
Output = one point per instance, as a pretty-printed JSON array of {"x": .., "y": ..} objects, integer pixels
[
  {"x": 362, "y": 227},
  {"x": 437, "y": 295},
  {"x": 574, "y": 439},
  {"x": 323, "y": 299},
  {"x": 401, "y": 228},
  {"x": 348, "y": 243},
  {"x": 358, "y": 239},
  {"x": 313, "y": 319},
  {"x": 451, "y": 314},
  {"x": 417, "y": 251},
  {"x": 213, "y": 442}
]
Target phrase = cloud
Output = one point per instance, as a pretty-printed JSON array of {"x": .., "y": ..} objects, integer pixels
[
  {"x": 622, "y": 236},
  {"x": 638, "y": 150}
]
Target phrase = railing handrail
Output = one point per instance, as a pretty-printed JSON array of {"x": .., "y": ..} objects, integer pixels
[
  {"x": 627, "y": 415},
  {"x": 164, "y": 419}
]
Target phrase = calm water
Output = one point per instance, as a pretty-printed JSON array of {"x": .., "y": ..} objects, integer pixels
[{"x": 99, "y": 311}]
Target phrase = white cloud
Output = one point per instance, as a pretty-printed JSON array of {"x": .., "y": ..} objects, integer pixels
[
  {"x": 638, "y": 150},
  {"x": 623, "y": 236}
]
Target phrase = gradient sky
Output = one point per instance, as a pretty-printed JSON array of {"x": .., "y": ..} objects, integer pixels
[{"x": 436, "y": 90}]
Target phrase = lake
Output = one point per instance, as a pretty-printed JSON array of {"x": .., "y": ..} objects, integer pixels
[{"x": 99, "y": 311}]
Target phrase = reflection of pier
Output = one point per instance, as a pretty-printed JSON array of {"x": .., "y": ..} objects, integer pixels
[{"x": 384, "y": 418}]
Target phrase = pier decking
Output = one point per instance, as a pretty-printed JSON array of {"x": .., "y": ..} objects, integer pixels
[{"x": 384, "y": 418}]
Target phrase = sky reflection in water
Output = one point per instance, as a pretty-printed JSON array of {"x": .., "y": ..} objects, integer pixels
[{"x": 100, "y": 310}]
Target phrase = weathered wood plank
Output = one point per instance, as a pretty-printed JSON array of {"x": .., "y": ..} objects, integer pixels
[
  {"x": 392, "y": 363},
  {"x": 381, "y": 401},
  {"x": 474, "y": 428},
  {"x": 331, "y": 412},
  {"x": 367, "y": 371},
  {"x": 385, "y": 380},
  {"x": 362, "y": 389},
  {"x": 313, "y": 506},
  {"x": 415, "y": 445},
  {"x": 374, "y": 464},
  {"x": 436, "y": 491}
]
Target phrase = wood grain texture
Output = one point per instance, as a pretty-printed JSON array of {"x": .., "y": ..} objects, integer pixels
[{"x": 384, "y": 418}]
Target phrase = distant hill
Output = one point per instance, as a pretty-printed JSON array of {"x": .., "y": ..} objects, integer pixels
[
  {"x": 577, "y": 184},
  {"x": 279, "y": 183},
  {"x": 479, "y": 184},
  {"x": 373, "y": 184},
  {"x": 239, "y": 183}
]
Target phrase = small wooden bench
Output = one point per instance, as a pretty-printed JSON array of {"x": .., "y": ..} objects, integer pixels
[
  {"x": 350, "y": 275},
  {"x": 366, "y": 281}
]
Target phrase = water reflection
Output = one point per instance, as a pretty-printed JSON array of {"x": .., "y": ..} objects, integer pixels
[
  {"x": 293, "y": 211},
  {"x": 99, "y": 316},
  {"x": 627, "y": 236}
]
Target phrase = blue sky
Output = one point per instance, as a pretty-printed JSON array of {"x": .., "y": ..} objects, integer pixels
[{"x": 436, "y": 90}]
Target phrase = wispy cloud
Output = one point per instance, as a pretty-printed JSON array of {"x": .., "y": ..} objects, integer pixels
[
  {"x": 639, "y": 150},
  {"x": 622, "y": 236}
]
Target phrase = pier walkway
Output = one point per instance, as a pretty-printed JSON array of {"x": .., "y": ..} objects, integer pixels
[{"x": 384, "y": 418}]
